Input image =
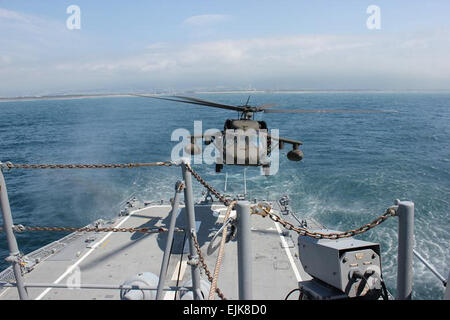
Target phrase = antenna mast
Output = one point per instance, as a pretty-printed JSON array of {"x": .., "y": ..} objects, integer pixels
[
  {"x": 226, "y": 178},
  {"x": 245, "y": 183}
]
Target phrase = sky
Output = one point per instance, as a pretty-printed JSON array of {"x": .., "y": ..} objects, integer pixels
[{"x": 148, "y": 46}]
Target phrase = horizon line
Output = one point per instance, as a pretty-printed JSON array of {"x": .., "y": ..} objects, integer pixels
[{"x": 171, "y": 92}]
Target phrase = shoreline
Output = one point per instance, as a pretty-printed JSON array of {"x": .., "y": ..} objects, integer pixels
[{"x": 123, "y": 95}]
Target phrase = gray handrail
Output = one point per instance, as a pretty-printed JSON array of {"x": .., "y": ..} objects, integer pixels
[{"x": 430, "y": 267}]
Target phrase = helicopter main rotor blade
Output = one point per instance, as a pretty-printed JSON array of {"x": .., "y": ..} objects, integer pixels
[
  {"x": 197, "y": 102},
  {"x": 211, "y": 103},
  {"x": 264, "y": 107},
  {"x": 322, "y": 111},
  {"x": 194, "y": 101}
]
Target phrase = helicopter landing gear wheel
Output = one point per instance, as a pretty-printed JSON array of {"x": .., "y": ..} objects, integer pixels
[{"x": 219, "y": 167}]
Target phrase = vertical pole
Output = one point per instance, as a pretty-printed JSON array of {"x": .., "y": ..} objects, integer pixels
[
  {"x": 245, "y": 183},
  {"x": 244, "y": 250},
  {"x": 226, "y": 178},
  {"x": 405, "y": 214},
  {"x": 189, "y": 207},
  {"x": 447, "y": 289},
  {"x": 14, "y": 253},
  {"x": 169, "y": 241}
]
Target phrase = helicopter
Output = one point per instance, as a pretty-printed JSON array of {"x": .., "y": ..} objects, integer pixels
[{"x": 237, "y": 142}]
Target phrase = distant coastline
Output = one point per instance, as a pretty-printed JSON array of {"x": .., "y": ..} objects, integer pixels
[
  {"x": 121, "y": 95},
  {"x": 63, "y": 97}
]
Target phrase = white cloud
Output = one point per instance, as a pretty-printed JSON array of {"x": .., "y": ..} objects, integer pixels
[
  {"x": 29, "y": 38},
  {"x": 43, "y": 56},
  {"x": 158, "y": 45},
  {"x": 12, "y": 15},
  {"x": 12, "y": 21},
  {"x": 5, "y": 60},
  {"x": 206, "y": 20}
]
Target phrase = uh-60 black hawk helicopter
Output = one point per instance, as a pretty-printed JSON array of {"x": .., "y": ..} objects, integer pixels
[{"x": 237, "y": 139}]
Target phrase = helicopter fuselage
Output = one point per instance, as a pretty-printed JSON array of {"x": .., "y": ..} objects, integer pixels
[{"x": 243, "y": 143}]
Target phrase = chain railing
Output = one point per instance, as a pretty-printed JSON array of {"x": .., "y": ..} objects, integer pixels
[
  {"x": 216, "y": 193},
  {"x": 9, "y": 165},
  {"x": 20, "y": 228},
  {"x": 266, "y": 210},
  {"x": 259, "y": 210},
  {"x": 262, "y": 209}
]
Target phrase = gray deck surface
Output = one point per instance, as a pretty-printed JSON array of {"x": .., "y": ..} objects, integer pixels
[{"x": 112, "y": 258}]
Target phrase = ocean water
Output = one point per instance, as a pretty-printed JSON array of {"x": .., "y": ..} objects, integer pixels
[{"x": 355, "y": 165}]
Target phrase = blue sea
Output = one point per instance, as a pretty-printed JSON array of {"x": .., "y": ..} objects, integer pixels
[{"x": 354, "y": 166}]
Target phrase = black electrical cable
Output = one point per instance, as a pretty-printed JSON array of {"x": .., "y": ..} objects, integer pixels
[
  {"x": 292, "y": 291},
  {"x": 385, "y": 292}
]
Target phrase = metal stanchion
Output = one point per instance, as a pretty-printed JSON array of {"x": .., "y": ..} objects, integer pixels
[
  {"x": 169, "y": 241},
  {"x": 244, "y": 250},
  {"x": 189, "y": 207},
  {"x": 405, "y": 213}
]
